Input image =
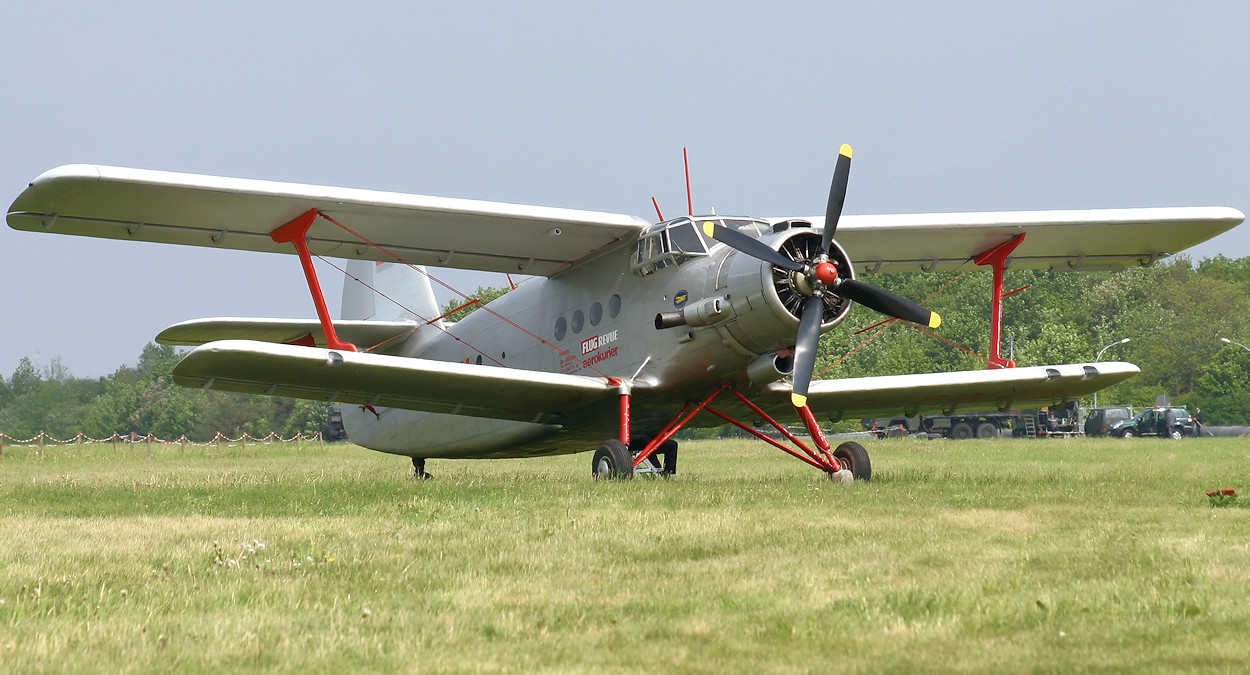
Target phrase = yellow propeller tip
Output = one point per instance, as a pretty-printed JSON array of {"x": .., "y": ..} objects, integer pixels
[
  {"x": 935, "y": 320},
  {"x": 845, "y": 151},
  {"x": 798, "y": 400},
  {"x": 709, "y": 227}
]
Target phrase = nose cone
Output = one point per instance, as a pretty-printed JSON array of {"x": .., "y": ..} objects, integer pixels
[{"x": 826, "y": 273}]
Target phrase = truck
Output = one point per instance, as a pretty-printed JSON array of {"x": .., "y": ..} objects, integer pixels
[{"x": 1030, "y": 423}]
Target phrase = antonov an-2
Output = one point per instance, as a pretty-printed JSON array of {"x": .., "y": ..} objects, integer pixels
[{"x": 629, "y": 330}]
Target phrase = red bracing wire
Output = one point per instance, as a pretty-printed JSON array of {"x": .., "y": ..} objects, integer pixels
[
  {"x": 401, "y": 306},
  {"x": 484, "y": 307},
  {"x": 886, "y": 323}
]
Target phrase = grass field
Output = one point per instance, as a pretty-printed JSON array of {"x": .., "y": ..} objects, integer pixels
[{"x": 1012, "y": 555}]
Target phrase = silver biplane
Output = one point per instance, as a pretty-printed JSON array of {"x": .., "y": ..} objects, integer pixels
[{"x": 628, "y": 330}]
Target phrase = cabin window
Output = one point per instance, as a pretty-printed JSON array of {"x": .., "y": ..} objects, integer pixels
[
  {"x": 562, "y": 328},
  {"x": 579, "y": 320},
  {"x": 596, "y": 313},
  {"x": 614, "y": 306}
]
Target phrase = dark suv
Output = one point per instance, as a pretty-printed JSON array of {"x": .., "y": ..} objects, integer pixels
[
  {"x": 1146, "y": 423},
  {"x": 1100, "y": 420}
]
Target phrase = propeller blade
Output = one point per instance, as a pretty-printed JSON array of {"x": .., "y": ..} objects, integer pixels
[
  {"x": 837, "y": 195},
  {"x": 805, "y": 347},
  {"x": 888, "y": 303},
  {"x": 750, "y": 246}
]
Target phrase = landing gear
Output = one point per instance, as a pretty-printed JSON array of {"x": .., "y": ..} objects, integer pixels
[
  {"x": 612, "y": 461},
  {"x": 854, "y": 458},
  {"x": 418, "y": 466}
]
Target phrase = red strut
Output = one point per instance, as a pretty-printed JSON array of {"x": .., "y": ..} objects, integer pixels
[
  {"x": 296, "y": 233},
  {"x": 997, "y": 258}
]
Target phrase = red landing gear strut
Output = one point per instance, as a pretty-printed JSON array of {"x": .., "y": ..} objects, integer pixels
[{"x": 849, "y": 456}]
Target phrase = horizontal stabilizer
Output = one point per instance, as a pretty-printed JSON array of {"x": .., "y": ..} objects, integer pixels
[
  {"x": 967, "y": 390},
  {"x": 385, "y": 335},
  {"x": 389, "y": 381}
]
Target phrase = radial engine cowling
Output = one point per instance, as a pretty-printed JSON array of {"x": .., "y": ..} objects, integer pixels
[{"x": 767, "y": 302}]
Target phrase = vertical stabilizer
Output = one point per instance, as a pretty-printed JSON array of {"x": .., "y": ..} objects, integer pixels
[{"x": 389, "y": 292}]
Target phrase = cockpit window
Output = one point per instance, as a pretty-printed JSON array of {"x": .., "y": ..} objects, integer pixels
[
  {"x": 668, "y": 244},
  {"x": 685, "y": 239}
]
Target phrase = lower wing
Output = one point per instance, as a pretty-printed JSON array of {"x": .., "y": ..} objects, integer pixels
[
  {"x": 966, "y": 390},
  {"x": 330, "y": 375}
]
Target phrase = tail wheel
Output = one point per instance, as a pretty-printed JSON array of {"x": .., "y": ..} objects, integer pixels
[
  {"x": 853, "y": 457},
  {"x": 612, "y": 461}
]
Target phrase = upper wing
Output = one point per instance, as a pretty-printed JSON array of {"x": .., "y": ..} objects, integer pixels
[
  {"x": 177, "y": 208},
  {"x": 391, "y": 381},
  {"x": 305, "y": 332},
  {"x": 1066, "y": 240},
  {"x": 968, "y": 390}
]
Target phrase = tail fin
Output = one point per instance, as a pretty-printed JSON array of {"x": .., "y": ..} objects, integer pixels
[{"x": 389, "y": 292}]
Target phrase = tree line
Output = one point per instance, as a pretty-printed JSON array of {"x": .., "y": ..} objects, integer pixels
[
  {"x": 1174, "y": 315},
  {"x": 142, "y": 399}
]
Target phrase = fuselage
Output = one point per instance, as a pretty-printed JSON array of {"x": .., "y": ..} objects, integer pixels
[{"x": 599, "y": 319}]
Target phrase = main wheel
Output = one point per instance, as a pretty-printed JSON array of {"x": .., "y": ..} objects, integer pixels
[
  {"x": 987, "y": 430},
  {"x": 612, "y": 460},
  {"x": 853, "y": 457},
  {"x": 961, "y": 431}
]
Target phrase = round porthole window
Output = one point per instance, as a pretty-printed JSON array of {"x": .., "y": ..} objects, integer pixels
[
  {"x": 596, "y": 313},
  {"x": 579, "y": 320},
  {"x": 614, "y": 306},
  {"x": 562, "y": 328}
]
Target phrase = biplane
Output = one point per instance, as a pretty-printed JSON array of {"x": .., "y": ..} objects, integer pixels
[{"x": 626, "y": 330}]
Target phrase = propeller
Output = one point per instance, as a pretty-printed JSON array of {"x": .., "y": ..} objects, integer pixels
[{"x": 821, "y": 275}]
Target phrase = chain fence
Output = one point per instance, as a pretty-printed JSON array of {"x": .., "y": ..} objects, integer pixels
[{"x": 43, "y": 440}]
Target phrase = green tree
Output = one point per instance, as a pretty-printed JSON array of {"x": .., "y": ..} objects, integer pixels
[{"x": 484, "y": 295}]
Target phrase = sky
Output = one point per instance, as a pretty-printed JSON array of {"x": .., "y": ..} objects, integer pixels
[{"x": 964, "y": 106}]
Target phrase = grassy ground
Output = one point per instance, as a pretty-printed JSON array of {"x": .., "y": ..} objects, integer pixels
[{"x": 984, "y": 556}]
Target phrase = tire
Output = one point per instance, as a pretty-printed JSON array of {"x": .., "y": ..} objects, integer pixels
[
  {"x": 961, "y": 431},
  {"x": 896, "y": 432},
  {"x": 612, "y": 461},
  {"x": 853, "y": 456},
  {"x": 1128, "y": 433},
  {"x": 1176, "y": 435},
  {"x": 987, "y": 430}
]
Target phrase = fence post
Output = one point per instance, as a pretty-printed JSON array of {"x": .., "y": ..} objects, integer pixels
[
  {"x": 243, "y": 438},
  {"x": 40, "y": 445},
  {"x": 320, "y": 437},
  {"x": 114, "y": 439},
  {"x": 1, "y": 446},
  {"x": 183, "y": 443},
  {"x": 78, "y": 443},
  {"x": 149, "y": 439},
  {"x": 218, "y": 439}
]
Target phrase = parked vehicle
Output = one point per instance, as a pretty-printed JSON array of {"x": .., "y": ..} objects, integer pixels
[
  {"x": 1100, "y": 420},
  {"x": 1147, "y": 423},
  {"x": 1032, "y": 423}
]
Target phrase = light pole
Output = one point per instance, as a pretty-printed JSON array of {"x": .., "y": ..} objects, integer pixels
[
  {"x": 1226, "y": 340},
  {"x": 1099, "y": 358}
]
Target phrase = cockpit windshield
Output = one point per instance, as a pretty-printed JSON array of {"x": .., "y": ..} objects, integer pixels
[{"x": 673, "y": 242}]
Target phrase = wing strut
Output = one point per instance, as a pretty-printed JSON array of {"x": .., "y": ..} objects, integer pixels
[
  {"x": 296, "y": 233},
  {"x": 997, "y": 259}
]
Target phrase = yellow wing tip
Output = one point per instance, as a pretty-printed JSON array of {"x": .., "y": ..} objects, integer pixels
[
  {"x": 708, "y": 227},
  {"x": 798, "y": 400},
  {"x": 845, "y": 151},
  {"x": 935, "y": 320}
]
